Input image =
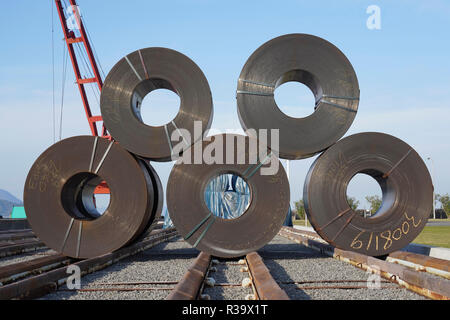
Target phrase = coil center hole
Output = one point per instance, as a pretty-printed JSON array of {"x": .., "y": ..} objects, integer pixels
[
  {"x": 296, "y": 93},
  {"x": 365, "y": 195},
  {"x": 155, "y": 102},
  {"x": 227, "y": 196},
  {"x": 159, "y": 107},
  {"x": 295, "y": 99},
  {"x": 85, "y": 196}
]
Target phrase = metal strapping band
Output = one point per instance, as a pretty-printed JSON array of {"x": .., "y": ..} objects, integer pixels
[
  {"x": 396, "y": 165},
  {"x": 132, "y": 67},
  {"x": 254, "y": 93},
  {"x": 93, "y": 153},
  {"x": 334, "y": 219},
  {"x": 338, "y": 97},
  {"x": 197, "y": 226},
  {"x": 258, "y": 83},
  {"x": 337, "y": 105},
  {"x": 168, "y": 139},
  {"x": 258, "y": 166},
  {"x": 104, "y": 156},
  {"x": 143, "y": 64},
  {"x": 67, "y": 234},
  {"x": 204, "y": 231},
  {"x": 79, "y": 238},
  {"x": 180, "y": 133},
  {"x": 343, "y": 227}
]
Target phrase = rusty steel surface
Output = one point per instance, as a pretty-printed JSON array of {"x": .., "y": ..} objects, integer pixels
[
  {"x": 116, "y": 289},
  {"x": 420, "y": 282},
  {"x": 227, "y": 237},
  {"x": 421, "y": 262},
  {"x": 14, "y": 249},
  {"x": 58, "y": 197},
  {"x": 19, "y": 270},
  {"x": 37, "y": 286},
  {"x": 9, "y": 243},
  {"x": 16, "y": 236},
  {"x": 266, "y": 287},
  {"x": 13, "y": 231},
  {"x": 136, "y": 75},
  {"x": 407, "y": 194},
  {"x": 320, "y": 66},
  {"x": 189, "y": 286}
]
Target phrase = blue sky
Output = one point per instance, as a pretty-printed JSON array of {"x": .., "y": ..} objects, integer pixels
[{"x": 403, "y": 69}]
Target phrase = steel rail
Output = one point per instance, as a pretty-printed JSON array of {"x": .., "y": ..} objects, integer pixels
[
  {"x": 188, "y": 288},
  {"x": 266, "y": 287},
  {"x": 420, "y": 282},
  {"x": 19, "y": 248},
  {"x": 8, "y": 243},
  {"x": 16, "y": 271},
  {"x": 39, "y": 285},
  {"x": 419, "y": 262},
  {"x": 16, "y": 236},
  {"x": 4, "y": 232}
]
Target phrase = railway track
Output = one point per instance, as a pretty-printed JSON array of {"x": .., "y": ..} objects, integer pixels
[
  {"x": 210, "y": 278},
  {"x": 295, "y": 265},
  {"x": 37, "y": 277},
  {"x": 12, "y": 248},
  {"x": 306, "y": 271},
  {"x": 426, "y": 276}
]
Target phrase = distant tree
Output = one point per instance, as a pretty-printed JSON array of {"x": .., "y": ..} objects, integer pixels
[
  {"x": 300, "y": 209},
  {"x": 445, "y": 202},
  {"x": 353, "y": 203},
  {"x": 375, "y": 203}
]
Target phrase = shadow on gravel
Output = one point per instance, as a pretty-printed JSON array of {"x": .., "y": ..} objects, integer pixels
[
  {"x": 279, "y": 273},
  {"x": 287, "y": 251},
  {"x": 157, "y": 253}
]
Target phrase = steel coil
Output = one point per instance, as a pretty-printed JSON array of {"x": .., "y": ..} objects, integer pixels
[
  {"x": 141, "y": 72},
  {"x": 228, "y": 237},
  {"x": 407, "y": 194},
  {"x": 58, "y": 197},
  {"x": 320, "y": 66},
  {"x": 158, "y": 200}
]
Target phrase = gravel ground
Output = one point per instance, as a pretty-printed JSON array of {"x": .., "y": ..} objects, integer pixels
[
  {"x": 228, "y": 272},
  {"x": 289, "y": 261},
  {"x": 25, "y": 256},
  {"x": 167, "y": 261}
]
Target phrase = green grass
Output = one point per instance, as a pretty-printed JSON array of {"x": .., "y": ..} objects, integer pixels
[
  {"x": 300, "y": 223},
  {"x": 448, "y": 219},
  {"x": 438, "y": 236}
]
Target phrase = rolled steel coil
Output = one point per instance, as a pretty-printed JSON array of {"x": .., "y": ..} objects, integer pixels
[
  {"x": 228, "y": 237},
  {"x": 58, "y": 197},
  {"x": 158, "y": 200},
  {"x": 136, "y": 75},
  {"x": 407, "y": 194},
  {"x": 319, "y": 65}
]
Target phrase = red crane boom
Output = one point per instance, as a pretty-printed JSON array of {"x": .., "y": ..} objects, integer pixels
[{"x": 77, "y": 34}]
